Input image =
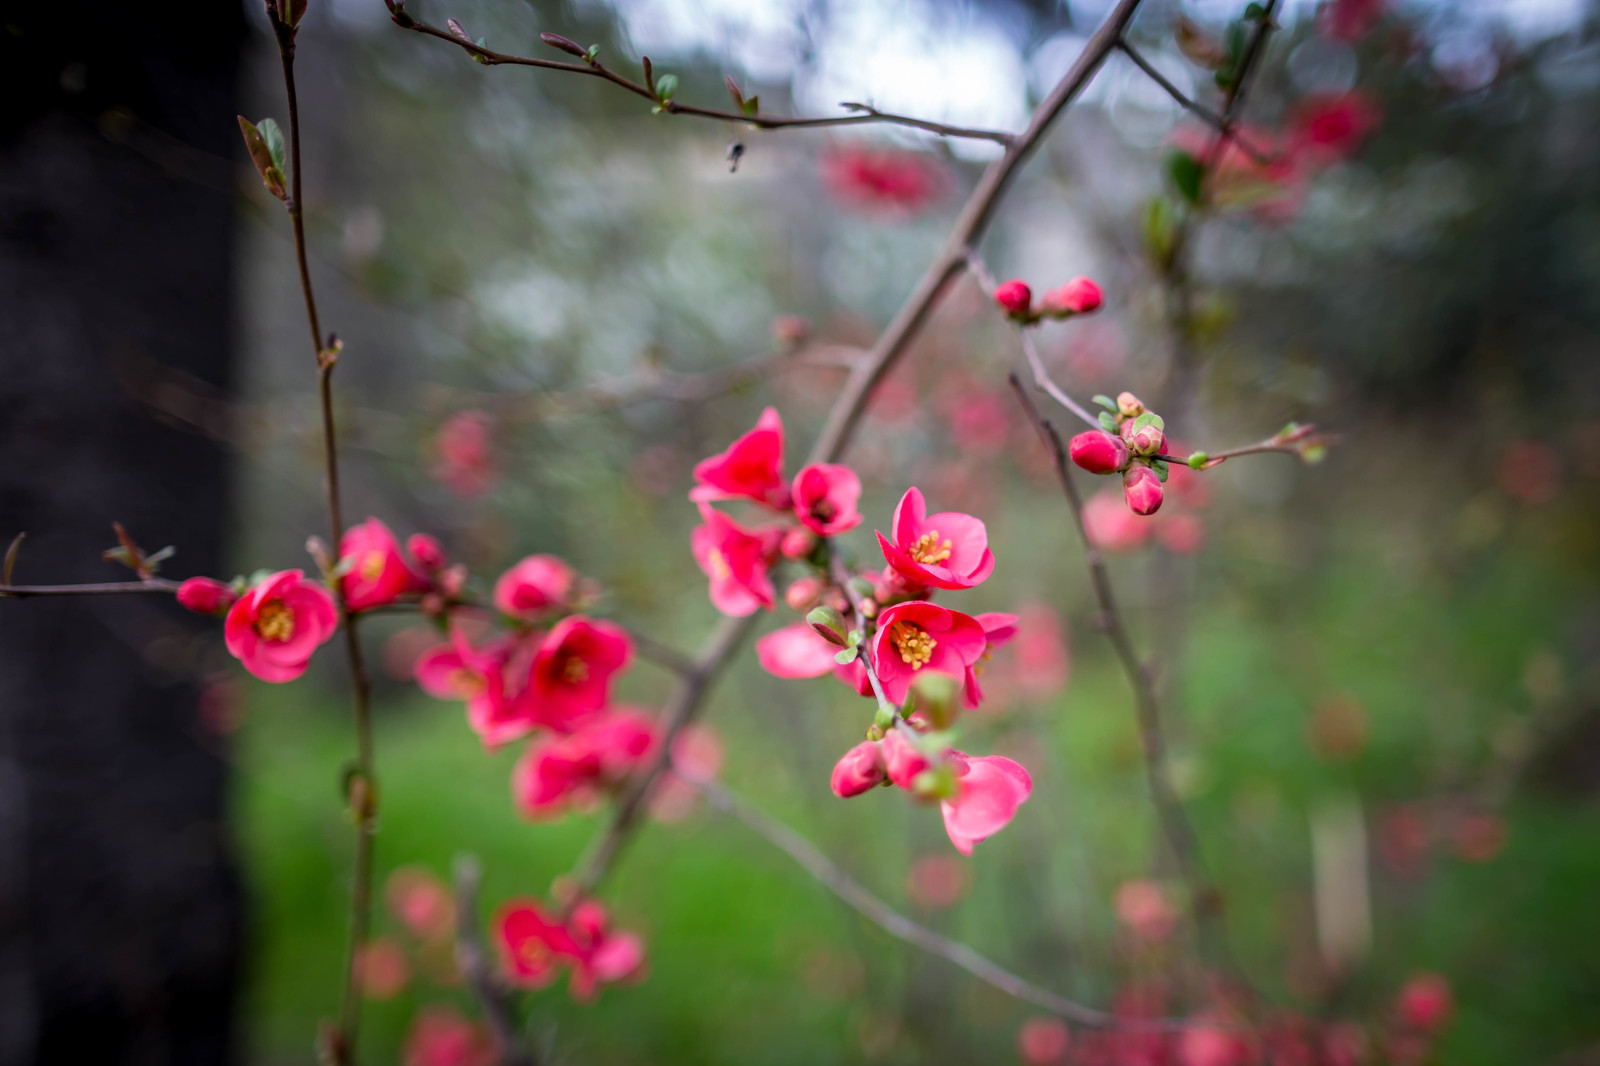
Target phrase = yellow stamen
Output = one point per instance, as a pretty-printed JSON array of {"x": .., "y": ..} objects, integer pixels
[
  {"x": 914, "y": 644},
  {"x": 371, "y": 566},
  {"x": 930, "y": 549},
  {"x": 275, "y": 621},
  {"x": 574, "y": 671},
  {"x": 718, "y": 563},
  {"x": 533, "y": 953},
  {"x": 467, "y": 682}
]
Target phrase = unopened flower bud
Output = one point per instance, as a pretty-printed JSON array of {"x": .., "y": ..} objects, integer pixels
[
  {"x": 869, "y": 607},
  {"x": 797, "y": 543},
  {"x": 1015, "y": 298},
  {"x": 453, "y": 580},
  {"x": 829, "y": 623},
  {"x": 426, "y": 551},
  {"x": 1077, "y": 297},
  {"x": 860, "y": 770},
  {"x": 1098, "y": 452},
  {"x": 206, "y": 595},
  {"x": 1146, "y": 440},
  {"x": 1142, "y": 489},
  {"x": 803, "y": 593},
  {"x": 555, "y": 40},
  {"x": 1128, "y": 405},
  {"x": 902, "y": 760}
]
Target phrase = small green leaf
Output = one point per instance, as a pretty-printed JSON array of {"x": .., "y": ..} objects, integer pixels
[
  {"x": 666, "y": 85},
  {"x": 752, "y": 106},
  {"x": 1159, "y": 227},
  {"x": 274, "y": 138},
  {"x": 1105, "y": 401},
  {"x": 1108, "y": 421},
  {"x": 1314, "y": 453},
  {"x": 1149, "y": 418},
  {"x": 153, "y": 561},
  {"x": 1160, "y": 467},
  {"x": 853, "y": 637},
  {"x": 594, "y": 50},
  {"x": 1198, "y": 460},
  {"x": 1254, "y": 12},
  {"x": 1187, "y": 174},
  {"x": 846, "y": 657}
]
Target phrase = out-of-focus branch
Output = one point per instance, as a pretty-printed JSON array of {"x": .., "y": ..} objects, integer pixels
[
  {"x": 861, "y": 114},
  {"x": 846, "y": 414},
  {"x": 154, "y": 584},
  {"x": 479, "y": 972},
  {"x": 1225, "y": 128}
]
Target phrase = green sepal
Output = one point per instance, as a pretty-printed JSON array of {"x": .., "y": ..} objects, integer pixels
[
  {"x": 1105, "y": 401},
  {"x": 1160, "y": 467},
  {"x": 1108, "y": 421}
]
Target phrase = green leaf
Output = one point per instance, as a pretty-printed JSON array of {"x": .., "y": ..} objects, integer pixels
[
  {"x": 594, "y": 50},
  {"x": 1186, "y": 173},
  {"x": 1198, "y": 460},
  {"x": 1159, "y": 226},
  {"x": 1254, "y": 12},
  {"x": 846, "y": 657},
  {"x": 273, "y": 136},
  {"x": 154, "y": 560},
  {"x": 1108, "y": 421},
  {"x": 1160, "y": 467},
  {"x": 853, "y": 637},
  {"x": 752, "y": 106},
  {"x": 1149, "y": 418},
  {"x": 666, "y": 85},
  {"x": 1105, "y": 401}
]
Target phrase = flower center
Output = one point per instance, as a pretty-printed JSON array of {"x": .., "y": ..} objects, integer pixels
[
  {"x": 467, "y": 682},
  {"x": 719, "y": 564},
  {"x": 275, "y": 621},
  {"x": 930, "y": 549},
  {"x": 574, "y": 670},
  {"x": 371, "y": 566},
  {"x": 913, "y": 643},
  {"x": 533, "y": 954},
  {"x": 823, "y": 511}
]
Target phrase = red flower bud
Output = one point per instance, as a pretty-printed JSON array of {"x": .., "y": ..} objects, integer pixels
[
  {"x": 426, "y": 551},
  {"x": 1425, "y": 1002},
  {"x": 206, "y": 595},
  {"x": 902, "y": 760},
  {"x": 860, "y": 770},
  {"x": 1128, "y": 405},
  {"x": 1077, "y": 297},
  {"x": 1098, "y": 452},
  {"x": 1142, "y": 489},
  {"x": 1015, "y": 298},
  {"x": 804, "y": 594},
  {"x": 797, "y": 543},
  {"x": 1146, "y": 440}
]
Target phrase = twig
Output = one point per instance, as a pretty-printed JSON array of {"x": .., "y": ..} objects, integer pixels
[
  {"x": 479, "y": 971},
  {"x": 1225, "y": 128},
  {"x": 846, "y": 413},
  {"x": 864, "y": 114},
  {"x": 897, "y": 925},
  {"x": 154, "y": 584}
]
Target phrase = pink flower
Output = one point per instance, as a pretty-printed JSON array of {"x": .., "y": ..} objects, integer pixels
[
  {"x": 937, "y": 880},
  {"x": 440, "y": 1036},
  {"x": 902, "y": 760},
  {"x": 1425, "y": 1003},
  {"x": 601, "y": 956},
  {"x": 1110, "y": 525},
  {"x": 421, "y": 902},
  {"x": 990, "y": 788},
  {"x": 600, "y": 755},
  {"x": 1141, "y": 488},
  {"x": 1014, "y": 298},
  {"x": 533, "y": 587},
  {"x": 1043, "y": 1041},
  {"x": 427, "y": 552},
  {"x": 751, "y": 468},
  {"x": 998, "y": 629},
  {"x": 737, "y": 562},
  {"x": 464, "y": 454},
  {"x": 915, "y": 636},
  {"x": 274, "y": 628},
  {"x": 1043, "y": 661},
  {"x": 381, "y": 969},
  {"x": 948, "y": 550},
  {"x": 571, "y": 675},
  {"x": 795, "y": 651},
  {"x": 479, "y": 676},
  {"x": 1098, "y": 452},
  {"x": 531, "y": 943},
  {"x": 897, "y": 182},
  {"x": 375, "y": 573},
  {"x": 1330, "y": 127},
  {"x": 825, "y": 497},
  {"x": 1079, "y": 296},
  {"x": 858, "y": 770},
  {"x": 206, "y": 595},
  {"x": 1144, "y": 909}
]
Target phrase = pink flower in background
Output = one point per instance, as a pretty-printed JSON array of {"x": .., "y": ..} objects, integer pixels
[
  {"x": 464, "y": 454},
  {"x": 532, "y": 944},
  {"x": 1425, "y": 1003},
  {"x": 535, "y": 586},
  {"x": 275, "y": 627},
  {"x": 479, "y": 676},
  {"x": 887, "y": 180},
  {"x": 795, "y": 651},
  {"x": 979, "y": 420},
  {"x": 571, "y": 674},
  {"x": 597, "y": 756},
  {"x": 859, "y": 770},
  {"x": 1080, "y": 296},
  {"x": 421, "y": 902},
  {"x": 751, "y": 468},
  {"x": 1043, "y": 662},
  {"x": 1111, "y": 526},
  {"x": 1043, "y": 1041},
  {"x": 382, "y": 969},
  {"x": 998, "y": 629},
  {"x": 206, "y": 595},
  {"x": 1143, "y": 907},
  {"x": 938, "y": 880},
  {"x": 948, "y": 550},
  {"x": 918, "y": 636},
  {"x": 825, "y": 497},
  {"x": 602, "y": 956},
  {"x": 1332, "y": 126},
  {"x": 990, "y": 788},
  {"x": 375, "y": 573},
  {"x": 1181, "y": 534},
  {"x": 440, "y": 1036},
  {"x": 427, "y": 551},
  {"x": 1272, "y": 190},
  {"x": 737, "y": 561},
  {"x": 1480, "y": 837},
  {"x": 1216, "y": 1045}
]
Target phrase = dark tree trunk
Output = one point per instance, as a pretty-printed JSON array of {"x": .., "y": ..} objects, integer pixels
[{"x": 120, "y": 902}]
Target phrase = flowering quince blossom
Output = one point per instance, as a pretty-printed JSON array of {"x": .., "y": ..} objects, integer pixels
[
  {"x": 1131, "y": 451},
  {"x": 948, "y": 550},
  {"x": 1014, "y": 298},
  {"x": 989, "y": 789},
  {"x": 1080, "y": 296},
  {"x": 603, "y": 956},
  {"x": 440, "y": 1036},
  {"x": 751, "y": 468},
  {"x": 825, "y": 497},
  {"x": 421, "y": 902},
  {"x": 532, "y": 944},
  {"x": 885, "y": 180},
  {"x": 562, "y": 769},
  {"x": 795, "y": 651},
  {"x": 206, "y": 595},
  {"x": 571, "y": 674},
  {"x": 533, "y": 587},
  {"x": 478, "y": 676},
  {"x": 464, "y": 454},
  {"x": 1330, "y": 127},
  {"x": 274, "y": 628},
  {"x": 918, "y": 636},
  {"x": 859, "y": 770},
  {"x": 1425, "y": 1003},
  {"x": 737, "y": 561},
  {"x": 375, "y": 574}
]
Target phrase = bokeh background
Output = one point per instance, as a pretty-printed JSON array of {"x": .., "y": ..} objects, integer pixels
[{"x": 1380, "y": 670}]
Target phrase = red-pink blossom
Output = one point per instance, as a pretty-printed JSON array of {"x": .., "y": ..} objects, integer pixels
[
  {"x": 532, "y": 944},
  {"x": 1079, "y": 296},
  {"x": 998, "y": 629},
  {"x": 918, "y": 636},
  {"x": 375, "y": 574},
  {"x": 736, "y": 560},
  {"x": 751, "y": 468},
  {"x": 1014, "y": 298},
  {"x": 825, "y": 497},
  {"x": 1043, "y": 1041},
  {"x": 1425, "y": 1002},
  {"x": 602, "y": 955},
  {"x": 489, "y": 679},
  {"x": 1143, "y": 907},
  {"x": 440, "y": 1036},
  {"x": 1110, "y": 525},
  {"x": 797, "y": 543},
  {"x": 795, "y": 651},
  {"x": 948, "y": 550},
  {"x": 1098, "y": 452},
  {"x": 464, "y": 454},
  {"x": 989, "y": 789},
  {"x": 1331, "y": 126},
  {"x": 937, "y": 880},
  {"x": 421, "y": 902},
  {"x": 427, "y": 552},
  {"x": 382, "y": 970},
  {"x": 978, "y": 419},
  {"x": 600, "y": 755},
  {"x": 804, "y": 593},
  {"x": 859, "y": 770},
  {"x": 206, "y": 595},
  {"x": 534, "y": 587},
  {"x": 1181, "y": 534},
  {"x": 902, "y": 759},
  {"x": 1141, "y": 488},
  {"x": 571, "y": 675},
  {"x": 881, "y": 179},
  {"x": 274, "y": 628}
]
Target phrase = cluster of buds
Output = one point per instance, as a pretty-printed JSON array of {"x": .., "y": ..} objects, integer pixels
[
  {"x": 1129, "y": 443},
  {"x": 1080, "y": 296}
]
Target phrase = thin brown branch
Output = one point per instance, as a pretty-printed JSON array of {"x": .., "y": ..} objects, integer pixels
[
  {"x": 846, "y": 414},
  {"x": 155, "y": 584},
  {"x": 1224, "y": 127},
  {"x": 897, "y": 925},
  {"x": 863, "y": 114},
  {"x": 479, "y": 971}
]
